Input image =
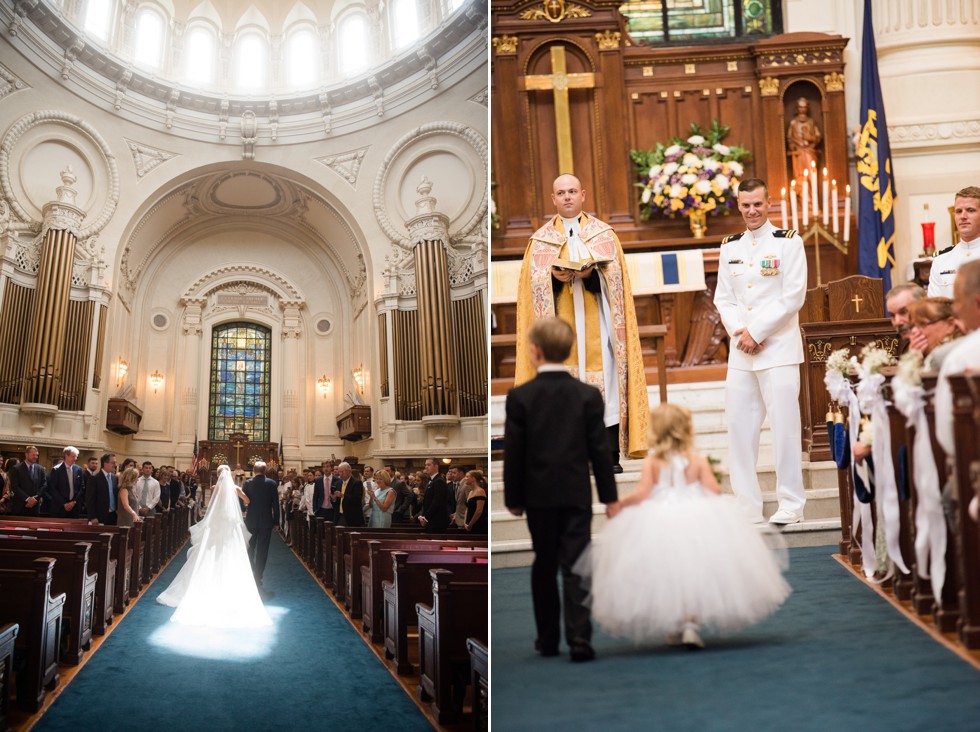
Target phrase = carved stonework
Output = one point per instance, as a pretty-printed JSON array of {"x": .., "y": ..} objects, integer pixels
[
  {"x": 769, "y": 86},
  {"x": 935, "y": 133},
  {"x": 556, "y": 11},
  {"x": 481, "y": 97},
  {"x": 146, "y": 158},
  {"x": 292, "y": 324},
  {"x": 608, "y": 40},
  {"x": 9, "y": 83},
  {"x": 505, "y": 45},
  {"x": 834, "y": 82},
  {"x": 819, "y": 351},
  {"x": 347, "y": 165},
  {"x": 800, "y": 58}
]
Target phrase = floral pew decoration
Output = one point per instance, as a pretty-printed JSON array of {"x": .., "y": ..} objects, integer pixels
[{"x": 930, "y": 522}]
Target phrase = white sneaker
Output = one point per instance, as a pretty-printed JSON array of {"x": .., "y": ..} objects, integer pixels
[
  {"x": 784, "y": 516},
  {"x": 691, "y": 638}
]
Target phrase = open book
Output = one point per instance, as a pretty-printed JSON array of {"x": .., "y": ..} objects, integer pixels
[{"x": 578, "y": 266}]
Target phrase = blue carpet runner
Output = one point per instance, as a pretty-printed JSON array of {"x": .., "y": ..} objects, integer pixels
[
  {"x": 311, "y": 670},
  {"x": 835, "y": 657}
]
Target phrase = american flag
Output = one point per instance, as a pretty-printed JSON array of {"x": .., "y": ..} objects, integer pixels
[
  {"x": 281, "y": 463},
  {"x": 194, "y": 461}
]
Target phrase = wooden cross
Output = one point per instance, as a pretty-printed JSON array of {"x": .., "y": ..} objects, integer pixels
[
  {"x": 857, "y": 300},
  {"x": 559, "y": 82}
]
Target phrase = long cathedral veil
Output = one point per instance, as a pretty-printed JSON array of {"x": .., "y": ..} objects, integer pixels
[{"x": 223, "y": 506}]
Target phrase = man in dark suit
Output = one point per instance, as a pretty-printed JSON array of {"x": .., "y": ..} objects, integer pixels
[
  {"x": 100, "y": 494},
  {"x": 349, "y": 495},
  {"x": 322, "y": 504},
  {"x": 435, "y": 515},
  {"x": 553, "y": 430},
  {"x": 66, "y": 487},
  {"x": 262, "y": 517},
  {"x": 28, "y": 483}
]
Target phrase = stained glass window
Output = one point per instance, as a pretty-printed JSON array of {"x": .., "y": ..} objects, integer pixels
[
  {"x": 656, "y": 22},
  {"x": 241, "y": 357}
]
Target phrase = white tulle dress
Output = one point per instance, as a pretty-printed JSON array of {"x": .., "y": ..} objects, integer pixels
[
  {"x": 683, "y": 554},
  {"x": 215, "y": 587}
]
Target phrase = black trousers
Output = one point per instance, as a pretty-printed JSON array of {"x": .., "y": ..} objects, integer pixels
[
  {"x": 324, "y": 513},
  {"x": 613, "y": 432},
  {"x": 258, "y": 551},
  {"x": 559, "y": 536}
]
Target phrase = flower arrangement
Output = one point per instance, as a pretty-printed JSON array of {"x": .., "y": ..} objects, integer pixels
[
  {"x": 494, "y": 216},
  {"x": 910, "y": 367},
  {"x": 839, "y": 360},
  {"x": 697, "y": 173},
  {"x": 873, "y": 358}
]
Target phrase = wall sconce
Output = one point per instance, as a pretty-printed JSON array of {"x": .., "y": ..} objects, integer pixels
[
  {"x": 122, "y": 368},
  {"x": 359, "y": 378},
  {"x": 447, "y": 461},
  {"x": 156, "y": 381},
  {"x": 323, "y": 384}
]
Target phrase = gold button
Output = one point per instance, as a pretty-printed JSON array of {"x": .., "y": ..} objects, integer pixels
[
  {"x": 755, "y": 243},
  {"x": 750, "y": 307},
  {"x": 751, "y": 263},
  {"x": 750, "y": 287}
]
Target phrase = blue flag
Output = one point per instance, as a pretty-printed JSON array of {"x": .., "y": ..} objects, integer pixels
[
  {"x": 281, "y": 457},
  {"x": 876, "y": 186}
]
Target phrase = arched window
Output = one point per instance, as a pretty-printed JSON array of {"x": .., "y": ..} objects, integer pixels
[
  {"x": 199, "y": 55},
  {"x": 302, "y": 59},
  {"x": 354, "y": 41},
  {"x": 98, "y": 16},
  {"x": 149, "y": 38},
  {"x": 241, "y": 366},
  {"x": 405, "y": 23},
  {"x": 251, "y": 62}
]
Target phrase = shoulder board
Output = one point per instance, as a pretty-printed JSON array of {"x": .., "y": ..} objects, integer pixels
[
  {"x": 784, "y": 233},
  {"x": 947, "y": 249},
  {"x": 731, "y": 238}
]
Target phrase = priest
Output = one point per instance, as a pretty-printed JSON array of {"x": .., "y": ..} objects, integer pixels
[{"x": 574, "y": 269}]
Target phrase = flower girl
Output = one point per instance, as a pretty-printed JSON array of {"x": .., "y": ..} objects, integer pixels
[{"x": 675, "y": 555}]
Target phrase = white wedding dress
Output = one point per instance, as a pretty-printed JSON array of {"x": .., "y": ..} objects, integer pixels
[{"x": 216, "y": 587}]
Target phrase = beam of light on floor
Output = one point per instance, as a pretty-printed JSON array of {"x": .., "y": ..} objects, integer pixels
[{"x": 220, "y": 644}]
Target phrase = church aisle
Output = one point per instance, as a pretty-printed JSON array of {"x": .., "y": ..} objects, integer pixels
[
  {"x": 310, "y": 670},
  {"x": 836, "y": 656}
]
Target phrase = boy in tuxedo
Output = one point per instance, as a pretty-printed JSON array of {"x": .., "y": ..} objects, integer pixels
[{"x": 554, "y": 430}]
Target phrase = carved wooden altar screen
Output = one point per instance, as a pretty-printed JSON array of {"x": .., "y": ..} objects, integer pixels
[
  {"x": 618, "y": 95},
  {"x": 238, "y": 449}
]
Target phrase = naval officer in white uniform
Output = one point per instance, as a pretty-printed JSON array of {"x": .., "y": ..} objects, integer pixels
[
  {"x": 761, "y": 288},
  {"x": 966, "y": 213}
]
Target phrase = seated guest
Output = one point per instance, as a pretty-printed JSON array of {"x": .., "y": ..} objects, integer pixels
[
  {"x": 934, "y": 328},
  {"x": 965, "y": 355},
  {"x": 897, "y": 302},
  {"x": 476, "y": 503},
  {"x": 127, "y": 512},
  {"x": 382, "y": 499}
]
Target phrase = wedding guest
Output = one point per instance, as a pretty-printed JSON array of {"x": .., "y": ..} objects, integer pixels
[
  {"x": 383, "y": 500},
  {"x": 934, "y": 329},
  {"x": 476, "y": 520},
  {"x": 127, "y": 511},
  {"x": 28, "y": 483}
]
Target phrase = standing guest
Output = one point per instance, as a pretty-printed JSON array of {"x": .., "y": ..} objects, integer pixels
[
  {"x": 349, "y": 497},
  {"x": 554, "y": 430},
  {"x": 92, "y": 467},
  {"x": 434, "y": 515},
  {"x": 761, "y": 287},
  {"x": 383, "y": 498},
  {"x": 463, "y": 489},
  {"x": 402, "y": 511},
  {"x": 29, "y": 484},
  {"x": 100, "y": 498},
  {"x": 6, "y": 494},
  {"x": 128, "y": 506},
  {"x": 66, "y": 487},
  {"x": 263, "y": 515},
  {"x": 321, "y": 502},
  {"x": 966, "y": 214},
  {"x": 148, "y": 490},
  {"x": 369, "y": 488},
  {"x": 306, "y": 502},
  {"x": 597, "y": 304},
  {"x": 476, "y": 519}
]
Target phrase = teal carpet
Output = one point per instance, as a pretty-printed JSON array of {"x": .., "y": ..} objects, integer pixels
[
  {"x": 311, "y": 670},
  {"x": 835, "y": 657}
]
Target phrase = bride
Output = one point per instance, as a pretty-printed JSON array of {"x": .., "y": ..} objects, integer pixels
[{"x": 216, "y": 587}]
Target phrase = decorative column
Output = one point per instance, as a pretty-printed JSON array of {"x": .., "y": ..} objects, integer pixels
[
  {"x": 292, "y": 331},
  {"x": 428, "y": 230},
  {"x": 46, "y": 338},
  {"x": 189, "y": 376}
]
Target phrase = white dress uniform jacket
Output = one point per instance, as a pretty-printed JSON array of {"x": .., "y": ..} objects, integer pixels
[
  {"x": 761, "y": 287},
  {"x": 945, "y": 266}
]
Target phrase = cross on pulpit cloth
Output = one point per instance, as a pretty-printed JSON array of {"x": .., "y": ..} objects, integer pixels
[{"x": 559, "y": 82}]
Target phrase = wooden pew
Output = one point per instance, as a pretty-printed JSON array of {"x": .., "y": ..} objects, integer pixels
[
  {"x": 966, "y": 485},
  {"x": 27, "y": 601},
  {"x": 8, "y": 637},
  {"x": 71, "y": 576},
  {"x": 480, "y": 679},
  {"x": 370, "y": 565},
  {"x": 341, "y": 548},
  {"x": 412, "y": 584},
  {"x": 101, "y": 562},
  {"x": 458, "y": 611}
]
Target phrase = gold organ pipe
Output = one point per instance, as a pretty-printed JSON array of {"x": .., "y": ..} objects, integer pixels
[
  {"x": 18, "y": 303},
  {"x": 99, "y": 348},
  {"x": 383, "y": 352}
]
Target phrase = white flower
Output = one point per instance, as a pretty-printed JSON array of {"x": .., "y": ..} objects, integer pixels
[
  {"x": 692, "y": 161},
  {"x": 722, "y": 182},
  {"x": 721, "y": 149},
  {"x": 664, "y": 180},
  {"x": 655, "y": 170},
  {"x": 645, "y": 198},
  {"x": 689, "y": 179},
  {"x": 670, "y": 168},
  {"x": 839, "y": 361},
  {"x": 493, "y": 206},
  {"x": 711, "y": 165},
  {"x": 737, "y": 168},
  {"x": 696, "y": 140},
  {"x": 703, "y": 186},
  {"x": 675, "y": 190},
  {"x": 672, "y": 150}
]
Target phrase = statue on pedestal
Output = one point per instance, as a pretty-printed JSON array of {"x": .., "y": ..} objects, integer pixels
[{"x": 803, "y": 137}]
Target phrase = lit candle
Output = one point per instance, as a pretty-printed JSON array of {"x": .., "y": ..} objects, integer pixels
[
  {"x": 806, "y": 197},
  {"x": 833, "y": 205},
  {"x": 847, "y": 214},
  {"x": 783, "y": 206},
  {"x": 792, "y": 204},
  {"x": 813, "y": 183},
  {"x": 826, "y": 187}
]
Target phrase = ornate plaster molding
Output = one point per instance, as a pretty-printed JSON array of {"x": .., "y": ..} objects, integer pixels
[
  {"x": 347, "y": 164},
  {"x": 935, "y": 134},
  {"x": 146, "y": 158}
]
